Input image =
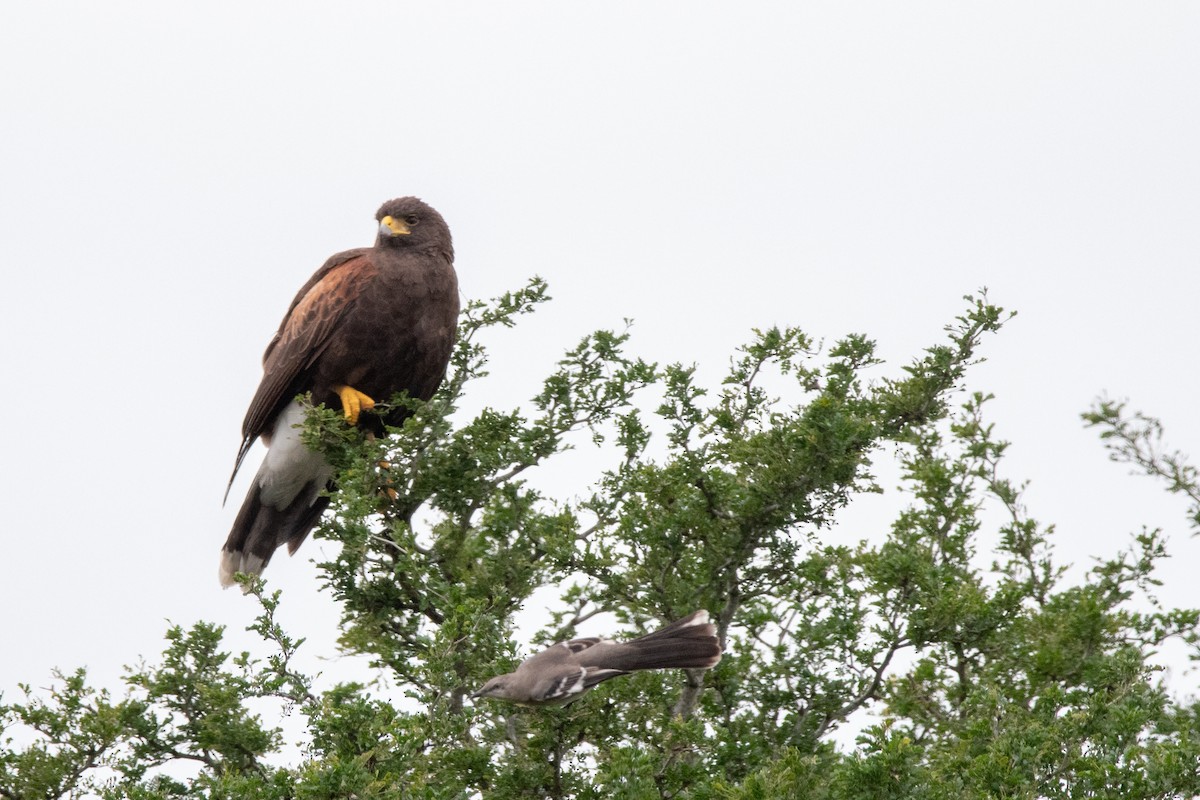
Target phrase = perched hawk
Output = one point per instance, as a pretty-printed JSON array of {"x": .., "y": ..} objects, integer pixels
[
  {"x": 371, "y": 322},
  {"x": 563, "y": 672}
]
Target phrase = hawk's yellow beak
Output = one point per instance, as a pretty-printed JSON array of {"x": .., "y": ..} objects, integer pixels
[{"x": 390, "y": 226}]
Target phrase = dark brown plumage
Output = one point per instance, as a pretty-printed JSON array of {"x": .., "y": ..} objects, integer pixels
[
  {"x": 562, "y": 673},
  {"x": 369, "y": 323}
]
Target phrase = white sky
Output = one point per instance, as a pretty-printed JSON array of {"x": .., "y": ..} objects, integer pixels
[{"x": 170, "y": 176}]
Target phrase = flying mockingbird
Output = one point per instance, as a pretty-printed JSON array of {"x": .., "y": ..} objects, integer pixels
[{"x": 563, "y": 672}]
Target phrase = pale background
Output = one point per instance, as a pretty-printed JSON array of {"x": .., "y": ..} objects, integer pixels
[{"x": 170, "y": 176}]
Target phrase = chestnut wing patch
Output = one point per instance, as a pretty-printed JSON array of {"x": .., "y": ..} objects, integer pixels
[{"x": 302, "y": 337}]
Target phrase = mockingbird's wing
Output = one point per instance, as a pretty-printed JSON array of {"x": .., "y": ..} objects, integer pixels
[{"x": 563, "y": 672}]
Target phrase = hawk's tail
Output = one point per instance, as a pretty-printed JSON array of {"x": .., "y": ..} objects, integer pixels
[
  {"x": 284, "y": 502},
  {"x": 260, "y": 528}
]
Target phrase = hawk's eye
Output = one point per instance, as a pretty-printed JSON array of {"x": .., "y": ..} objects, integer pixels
[{"x": 412, "y": 219}]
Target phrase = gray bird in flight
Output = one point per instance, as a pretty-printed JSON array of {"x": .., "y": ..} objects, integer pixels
[{"x": 563, "y": 672}]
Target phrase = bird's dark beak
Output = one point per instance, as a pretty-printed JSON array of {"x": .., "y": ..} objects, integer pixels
[
  {"x": 475, "y": 695},
  {"x": 390, "y": 226}
]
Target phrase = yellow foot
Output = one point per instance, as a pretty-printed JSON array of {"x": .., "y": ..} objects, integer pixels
[{"x": 354, "y": 402}]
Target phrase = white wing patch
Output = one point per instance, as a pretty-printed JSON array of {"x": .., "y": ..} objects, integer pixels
[
  {"x": 579, "y": 645},
  {"x": 564, "y": 686}
]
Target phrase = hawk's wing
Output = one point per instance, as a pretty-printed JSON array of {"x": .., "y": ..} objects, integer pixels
[{"x": 302, "y": 336}]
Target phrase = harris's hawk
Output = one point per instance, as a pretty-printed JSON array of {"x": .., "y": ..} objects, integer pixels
[{"x": 369, "y": 323}]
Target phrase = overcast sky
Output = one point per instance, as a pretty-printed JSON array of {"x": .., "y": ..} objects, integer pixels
[{"x": 171, "y": 175}]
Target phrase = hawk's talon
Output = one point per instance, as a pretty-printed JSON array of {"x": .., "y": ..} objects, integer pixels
[{"x": 354, "y": 402}]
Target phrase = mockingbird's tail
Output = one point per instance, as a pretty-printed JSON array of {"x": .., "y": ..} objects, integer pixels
[{"x": 688, "y": 643}]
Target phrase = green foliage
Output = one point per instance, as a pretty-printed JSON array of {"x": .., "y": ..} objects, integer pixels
[
  {"x": 1134, "y": 438},
  {"x": 973, "y": 668}
]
